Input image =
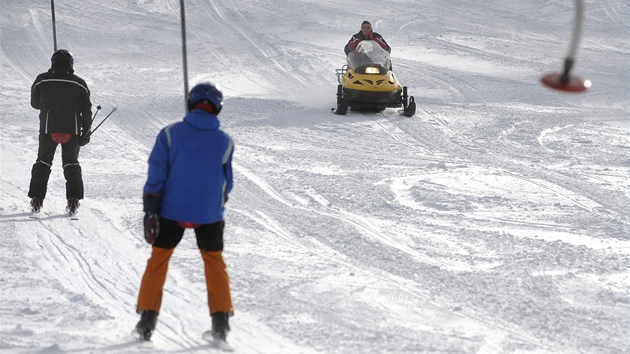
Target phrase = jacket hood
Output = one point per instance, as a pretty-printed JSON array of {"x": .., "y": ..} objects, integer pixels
[{"x": 202, "y": 119}]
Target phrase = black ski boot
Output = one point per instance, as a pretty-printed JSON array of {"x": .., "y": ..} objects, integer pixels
[
  {"x": 220, "y": 325},
  {"x": 36, "y": 204},
  {"x": 146, "y": 326},
  {"x": 73, "y": 206}
]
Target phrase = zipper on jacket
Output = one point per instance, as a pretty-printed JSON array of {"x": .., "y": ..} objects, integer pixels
[{"x": 46, "y": 125}]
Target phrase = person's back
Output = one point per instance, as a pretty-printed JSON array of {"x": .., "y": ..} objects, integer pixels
[
  {"x": 194, "y": 188},
  {"x": 60, "y": 95}
]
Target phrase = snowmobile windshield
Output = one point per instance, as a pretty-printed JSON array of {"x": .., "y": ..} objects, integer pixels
[{"x": 368, "y": 53}]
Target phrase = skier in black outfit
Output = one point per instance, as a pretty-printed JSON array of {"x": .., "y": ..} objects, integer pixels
[{"x": 65, "y": 118}]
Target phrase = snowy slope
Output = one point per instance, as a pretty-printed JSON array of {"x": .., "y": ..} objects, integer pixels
[{"x": 494, "y": 221}]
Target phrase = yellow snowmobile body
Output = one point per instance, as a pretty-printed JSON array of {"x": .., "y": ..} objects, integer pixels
[{"x": 367, "y": 83}]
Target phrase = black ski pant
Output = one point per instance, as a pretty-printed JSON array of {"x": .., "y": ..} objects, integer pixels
[
  {"x": 70, "y": 162},
  {"x": 209, "y": 236}
]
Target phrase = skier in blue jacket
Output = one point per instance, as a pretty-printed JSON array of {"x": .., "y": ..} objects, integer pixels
[{"x": 190, "y": 176}]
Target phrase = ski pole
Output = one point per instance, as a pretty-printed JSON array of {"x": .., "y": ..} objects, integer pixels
[{"x": 103, "y": 121}]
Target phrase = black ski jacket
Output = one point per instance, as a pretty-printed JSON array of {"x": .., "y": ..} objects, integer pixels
[{"x": 64, "y": 103}]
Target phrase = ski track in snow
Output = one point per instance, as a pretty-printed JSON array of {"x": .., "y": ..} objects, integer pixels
[{"x": 493, "y": 221}]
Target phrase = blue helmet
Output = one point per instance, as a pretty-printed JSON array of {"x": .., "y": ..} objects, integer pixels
[{"x": 206, "y": 91}]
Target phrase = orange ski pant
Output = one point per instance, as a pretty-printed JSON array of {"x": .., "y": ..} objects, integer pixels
[{"x": 210, "y": 243}]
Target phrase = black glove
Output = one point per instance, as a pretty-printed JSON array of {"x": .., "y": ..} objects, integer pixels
[
  {"x": 151, "y": 206},
  {"x": 84, "y": 139},
  {"x": 151, "y": 227}
]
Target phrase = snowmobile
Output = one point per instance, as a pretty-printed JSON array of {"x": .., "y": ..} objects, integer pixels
[{"x": 367, "y": 82}]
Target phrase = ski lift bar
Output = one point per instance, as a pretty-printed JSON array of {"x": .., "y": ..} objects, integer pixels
[
  {"x": 184, "y": 57},
  {"x": 565, "y": 81},
  {"x": 52, "y": 6}
]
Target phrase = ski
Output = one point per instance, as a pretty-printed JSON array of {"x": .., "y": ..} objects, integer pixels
[
  {"x": 217, "y": 343},
  {"x": 135, "y": 335},
  {"x": 73, "y": 215},
  {"x": 73, "y": 209},
  {"x": 36, "y": 214}
]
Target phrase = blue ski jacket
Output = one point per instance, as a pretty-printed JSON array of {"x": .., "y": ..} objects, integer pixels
[{"x": 191, "y": 168}]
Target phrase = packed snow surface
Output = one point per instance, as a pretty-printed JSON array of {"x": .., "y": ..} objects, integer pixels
[{"x": 496, "y": 220}]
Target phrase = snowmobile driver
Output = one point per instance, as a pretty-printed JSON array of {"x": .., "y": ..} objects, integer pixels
[
  {"x": 190, "y": 176},
  {"x": 366, "y": 34}
]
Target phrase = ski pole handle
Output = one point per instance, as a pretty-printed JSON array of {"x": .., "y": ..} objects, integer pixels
[
  {"x": 103, "y": 121},
  {"x": 98, "y": 108}
]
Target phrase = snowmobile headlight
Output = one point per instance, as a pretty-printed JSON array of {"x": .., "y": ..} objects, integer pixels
[{"x": 372, "y": 70}]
